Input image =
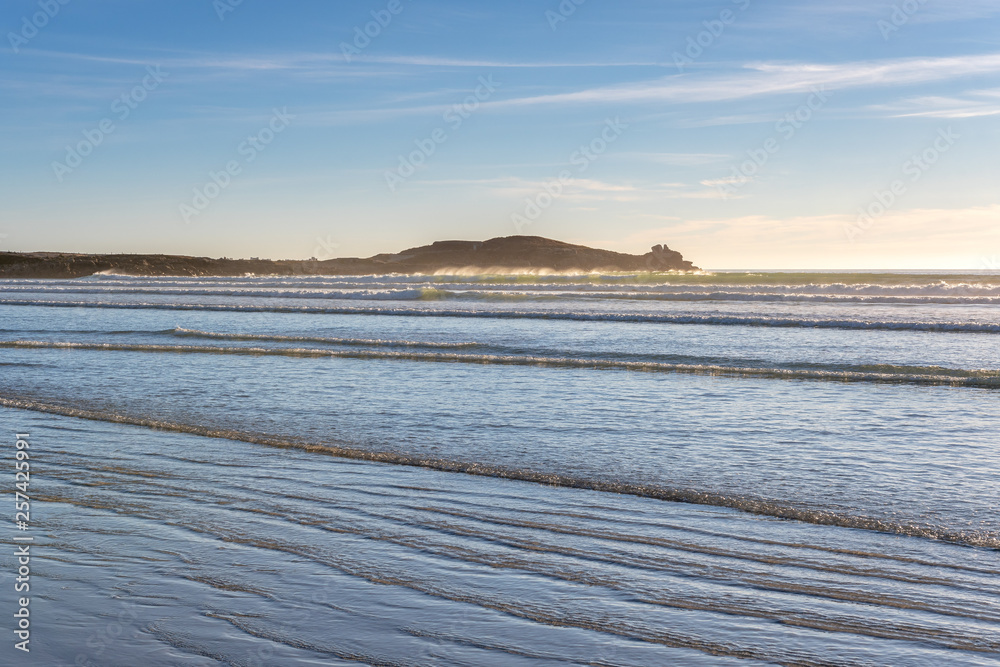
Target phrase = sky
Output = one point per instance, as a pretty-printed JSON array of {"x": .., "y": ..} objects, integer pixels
[{"x": 745, "y": 134}]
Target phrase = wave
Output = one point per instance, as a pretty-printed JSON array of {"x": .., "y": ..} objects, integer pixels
[
  {"x": 782, "y": 279},
  {"x": 814, "y": 293},
  {"x": 745, "y": 503},
  {"x": 885, "y": 374},
  {"x": 652, "y": 318},
  {"x": 361, "y": 342},
  {"x": 357, "y": 293}
]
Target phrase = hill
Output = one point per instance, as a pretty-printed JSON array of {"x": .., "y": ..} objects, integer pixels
[{"x": 510, "y": 253}]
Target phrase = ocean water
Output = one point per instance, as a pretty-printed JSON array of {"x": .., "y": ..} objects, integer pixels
[{"x": 662, "y": 469}]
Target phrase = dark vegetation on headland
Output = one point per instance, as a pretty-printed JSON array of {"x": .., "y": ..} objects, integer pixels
[{"x": 495, "y": 255}]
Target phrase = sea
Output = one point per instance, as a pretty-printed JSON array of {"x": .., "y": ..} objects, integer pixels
[{"x": 717, "y": 468}]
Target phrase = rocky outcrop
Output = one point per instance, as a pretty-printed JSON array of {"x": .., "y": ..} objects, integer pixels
[
  {"x": 499, "y": 254},
  {"x": 528, "y": 252}
]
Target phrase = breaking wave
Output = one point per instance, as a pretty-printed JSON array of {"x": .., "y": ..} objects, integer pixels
[
  {"x": 360, "y": 342},
  {"x": 410, "y": 290},
  {"x": 883, "y": 373},
  {"x": 634, "y": 317},
  {"x": 745, "y": 503}
]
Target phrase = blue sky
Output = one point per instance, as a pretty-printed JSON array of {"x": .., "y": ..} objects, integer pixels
[{"x": 745, "y": 134}]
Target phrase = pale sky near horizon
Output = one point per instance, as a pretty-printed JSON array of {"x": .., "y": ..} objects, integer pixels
[{"x": 743, "y": 133}]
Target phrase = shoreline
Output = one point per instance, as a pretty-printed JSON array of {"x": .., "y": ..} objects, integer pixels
[{"x": 514, "y": 253}]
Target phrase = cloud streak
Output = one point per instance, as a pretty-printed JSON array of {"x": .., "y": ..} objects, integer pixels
[
  {"x": 972, "y": 105},
  {"x": 773, "y": 79},
  {"x": 314, "y": 60}
]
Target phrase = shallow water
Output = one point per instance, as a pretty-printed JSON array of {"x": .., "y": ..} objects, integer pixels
[{"x": 762, "y": 468}]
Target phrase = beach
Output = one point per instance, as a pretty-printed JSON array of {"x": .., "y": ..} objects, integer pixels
[{"x": 625, "y": 469}]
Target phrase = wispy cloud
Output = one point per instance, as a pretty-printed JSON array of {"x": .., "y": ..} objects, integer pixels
[
  {"x": 312, "y": 60},
  {"x": 773, "y": 79},
  {"x": 756, "y": 80},
  {"x": 675, "y": 159},
  {"x": 582, "y": 189},
  {"x": 432, "y": 61},
  {"x": 972, "y": 105}
]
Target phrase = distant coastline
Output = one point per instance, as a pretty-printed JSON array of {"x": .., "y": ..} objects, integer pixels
[{"x": 498, "y": 255}]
